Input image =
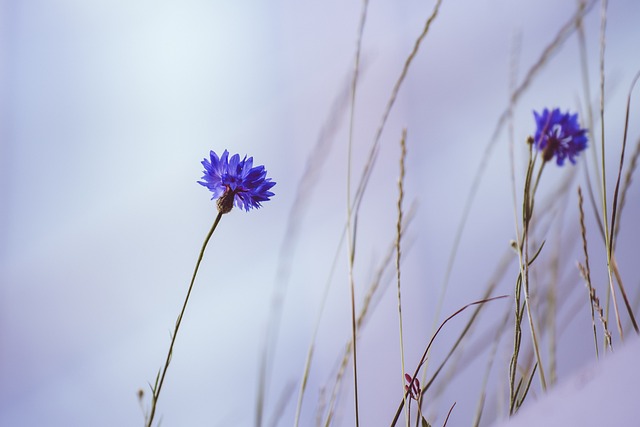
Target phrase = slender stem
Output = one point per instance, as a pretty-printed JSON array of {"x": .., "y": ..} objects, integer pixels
[
  {"x": 535, "y": 188},
  {"x": 524, "y": 267},
  {"x": 587, "y": 269},
  {"x": 158, "y": 387},
  {"x": 605, "y": 220},
  {"x": 403, "y": 156},
  {"x": 534, "y": 336},
  {"x": 523, "y": 279},
  {"x": 423, "y": 359},
  {"x": 513, "y": 366},
  {"x": 351, "y": 235}
]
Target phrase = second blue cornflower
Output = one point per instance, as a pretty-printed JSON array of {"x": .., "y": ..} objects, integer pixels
[{"x": 559, "y": 134}]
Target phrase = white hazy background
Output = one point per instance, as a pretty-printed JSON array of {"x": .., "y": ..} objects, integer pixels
[{"x": 107, "y": 109}]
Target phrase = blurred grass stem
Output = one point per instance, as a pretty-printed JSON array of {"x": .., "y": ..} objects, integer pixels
[
  {"x": 351, "y": 220},
  {"x": 403, "y": 156},
  {"x": 611, "y": 294}
]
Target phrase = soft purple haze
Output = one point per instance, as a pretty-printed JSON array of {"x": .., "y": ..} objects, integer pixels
[{"x": 108, "y": 107}]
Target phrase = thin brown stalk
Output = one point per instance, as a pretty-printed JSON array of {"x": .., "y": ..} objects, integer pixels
[
  {"x": 446, "y": 420},
  {"x": 627, "y": 183},
  {"x": 605, "y": 220},
  {"x": 433, "y": 337},
  {"x": 367, "y": 307},
  {"x": 595, "y": 304},
  {"x": 351, "y": 234},
  {"x": 636, "y": 303},
  {"x": 625, "y": 299},
  {"x": 614, "y": 209},
  {"x": 587, "y": 270},
  {"x": 464, "y": 359},
  {"x": 403, "y": 156}
]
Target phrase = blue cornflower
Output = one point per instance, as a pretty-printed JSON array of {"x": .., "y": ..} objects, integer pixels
[
  {"x": 559, "y": 135},
  {"x": 234, "y": 180}
]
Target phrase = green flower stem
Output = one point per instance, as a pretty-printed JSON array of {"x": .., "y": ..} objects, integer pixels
[
  {"x": 158, "y": 386},
  {"x": 535, "y": 188},
  {"x": 523, "y": 283},
  {"x": 524, "y": 271}
]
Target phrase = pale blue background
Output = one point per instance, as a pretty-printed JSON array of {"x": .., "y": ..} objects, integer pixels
[{"x": 107, "y": 108}]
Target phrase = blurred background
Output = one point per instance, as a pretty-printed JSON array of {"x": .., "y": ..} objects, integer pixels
[{"x": 107, "y": 109}]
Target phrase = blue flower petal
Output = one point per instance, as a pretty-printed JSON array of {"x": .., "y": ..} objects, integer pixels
[
  {"x": 559, "y": 135},
  {"x": 248, "y": 185}
]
